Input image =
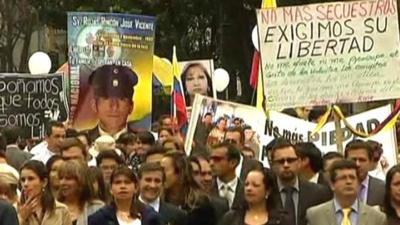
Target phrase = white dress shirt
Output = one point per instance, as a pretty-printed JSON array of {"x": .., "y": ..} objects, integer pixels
[
  {"x": 227, "y": 190},
  {"x": 155, "y": 204}
]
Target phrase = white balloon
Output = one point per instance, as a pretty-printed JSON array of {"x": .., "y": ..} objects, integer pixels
[
  {"x": 39, "y": 63},
  {"x": 254, "y": 38},
  {"x": 221, "y": 79}
]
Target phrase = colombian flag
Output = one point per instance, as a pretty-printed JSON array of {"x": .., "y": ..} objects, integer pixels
[{"x": 178, "y": 100}]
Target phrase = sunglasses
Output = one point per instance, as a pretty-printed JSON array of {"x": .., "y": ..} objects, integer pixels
[
  {"x": 231, "y": 141},
  {"x": 217, "y": 158},
  {"x": 288, "y": 160}
]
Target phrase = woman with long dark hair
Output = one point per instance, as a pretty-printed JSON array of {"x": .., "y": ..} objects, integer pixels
[
  {"x": 76, "y": 191},
  {"x": 391, "y": 204},
  {"x": 183, "y": 191},
  {"x": 196, "y": 80},
  {"x": 257, "y": 209},
  {"x": 37, "y": 205},
  {"x": 124, "y": 208}
]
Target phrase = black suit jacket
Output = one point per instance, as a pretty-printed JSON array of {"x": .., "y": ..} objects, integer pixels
[
  {"x": 8, "y": 215},
  {"x": 310, "y": 194},
  {"x": 107, "y": 216},
  {"x": 376, "y": 191},
  {"x": 238, "y": 200},
  {"x": 171, "y": 215},
  {"x": 220, "y": 206},
  {"x": 237, "y": 216}
]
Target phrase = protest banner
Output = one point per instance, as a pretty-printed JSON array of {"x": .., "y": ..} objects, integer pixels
[
  {"x": 203, "y": 134},
  {"x": 298, "y": 130},
  {"x": 196, "y": 76},
  {"x": 96, "y": 39},
  {"x": 29, "y": 102},
  {"x": 336, "y": 52}
]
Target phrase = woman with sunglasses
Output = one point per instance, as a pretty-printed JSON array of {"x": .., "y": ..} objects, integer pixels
[
  {"x": 37, "y": 205},
  {"x": 124, "y": 209},
  {"x": 257, "y": 209}
]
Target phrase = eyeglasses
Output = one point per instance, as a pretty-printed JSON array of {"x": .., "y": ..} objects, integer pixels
[
  {"x": 231, "y": 141},
  {"x": 288, "y": 160},
  {"x": 217, "y": 158}
]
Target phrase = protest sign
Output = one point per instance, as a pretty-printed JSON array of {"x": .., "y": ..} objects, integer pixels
[
  {"x": 96, "y": 39},
  {"x": 204, "y": 133},
  {"x": 336, "y": 52},
  {"x": 196, "y": 77},
  {"x": 298, "y": 130},
  {"x": 29, "y": 102}
]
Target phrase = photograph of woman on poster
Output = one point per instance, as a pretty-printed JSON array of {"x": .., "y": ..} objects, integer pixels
[{"x": 196, "y": 80}]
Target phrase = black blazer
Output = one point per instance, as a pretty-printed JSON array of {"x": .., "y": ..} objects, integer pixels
[
  {"x": 8, "y": 215},
  {"x": 238, "y": 200},
  {"x": 171, "y": 215},
  {"x": 310, "y": 194},
  {"x": 376, "y": 192},
  {"x": 107, "y": 216},
  {"x": 202, "y": 214},
  {"x": 220, "y": 206},
  {"x": 236, "y": 217}
]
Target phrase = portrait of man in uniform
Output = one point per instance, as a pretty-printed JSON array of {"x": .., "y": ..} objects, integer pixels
[{"x": 113, "y": 89}]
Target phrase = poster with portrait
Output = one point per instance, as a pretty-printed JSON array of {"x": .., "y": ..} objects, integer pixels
[
  {"x": 210, "y": 118},
  {"x": 97, "y": 39},
  {"x": 28, "y": 102},
  {"x": 196, "y": 77}
]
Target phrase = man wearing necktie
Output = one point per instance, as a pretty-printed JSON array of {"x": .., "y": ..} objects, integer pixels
[
  {"x": 345, "y": 208},
  {"x": 371, "y": 190},
  {"x": 293, "y": 194}
]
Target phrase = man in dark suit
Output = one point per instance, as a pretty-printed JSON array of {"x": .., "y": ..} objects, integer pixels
[
  {"x": 235, "y": 136},
  {"x": 15, "y": 156},
  {"x": 151, "y": 180},
  {"x": 113, "y": 91},
  {"x": 292, "y": 193},
  {"x": 372, "y": 190},
  {"x": 224, "y": 159}
]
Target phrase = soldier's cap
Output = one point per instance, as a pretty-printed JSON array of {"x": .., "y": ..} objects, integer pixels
[{"x": 113, "y": 81}]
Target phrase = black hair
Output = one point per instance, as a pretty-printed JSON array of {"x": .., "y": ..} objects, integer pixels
[
  {"x": 12, "y": 134},
  {"x": 51, "y": 161},
  {"x": 358, "y": 144},
  {"x": 340, "y": 165},
  {"x": 3, "y": 143},
  {"x": 237, "y": 130},
  {"x": 108, "y": 154},
  {"x": 146, "y": 137},
  {"x": 387, "y": 203},
  {"x": 73, "y": 142},
  {"x": 95, "y": 175},
  {"x": 309, "y": 150},
  {"x": 126, "y": 138},
  {"x": 70, "y": 132},
  {"x": 86, "y": 135},
  {"x": 232, "y": 153},
  {"x": 51, "y": 124},
  {"x": 329, "y": 156},
  {"x": 376, "y": 149},
  {"x": 155, "y": 149}
]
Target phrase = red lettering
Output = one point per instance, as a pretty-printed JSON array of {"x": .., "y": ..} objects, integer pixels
[
  {"x": 308, "y": 16},
  {"x": 320, "y": 10},
  {"x": 287, "y": 12}
]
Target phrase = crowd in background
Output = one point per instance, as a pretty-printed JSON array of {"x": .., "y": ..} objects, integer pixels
[{"x": 148, "y": 178}]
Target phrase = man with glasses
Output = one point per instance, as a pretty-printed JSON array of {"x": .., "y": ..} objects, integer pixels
[
  {"x": 345, "y": 208},
  {"x": 292, "y": 193},
  {"x": 224, "y": 159}
]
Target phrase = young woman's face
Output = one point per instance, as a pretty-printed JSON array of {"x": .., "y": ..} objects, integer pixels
[
  {"x": 164, "y": 135},
  {"x": 123, "y": 188},
  {"x": 395, "y": 188},
  {"x": 69, "y": 186},
  {"x": 196, "y": 81},
  {"x": 31, "y": 184},
  {"x": 254, "y": 189}
]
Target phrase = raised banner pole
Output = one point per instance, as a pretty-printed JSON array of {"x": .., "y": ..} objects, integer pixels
[{"x": 338, "y": 132}]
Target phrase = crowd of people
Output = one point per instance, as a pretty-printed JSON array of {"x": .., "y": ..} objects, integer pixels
[{"x": 148, "y": 178}]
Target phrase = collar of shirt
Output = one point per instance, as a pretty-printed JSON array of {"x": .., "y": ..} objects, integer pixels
[
  {"x": 116, "y": 135},
  {"x": 314, "y": 179},
  {"x": 155, "y": 204},
  {"x": 238, "y": 169},
  {"x": 338, "y": 208},
  {"x": 231, "y": 184},
  {"x": 365, "y": 181},
  {"x": 295, "y": 186}
]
